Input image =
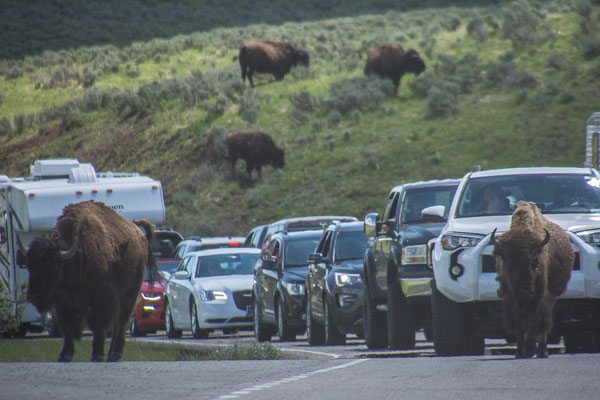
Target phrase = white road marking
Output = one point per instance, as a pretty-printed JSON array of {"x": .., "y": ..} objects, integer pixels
[{"x": 253, "y": 389}]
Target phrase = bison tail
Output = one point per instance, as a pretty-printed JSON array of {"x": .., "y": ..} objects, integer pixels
[
  {"x": 242, "y": 59},
  {"x": 151, "y": 266}
]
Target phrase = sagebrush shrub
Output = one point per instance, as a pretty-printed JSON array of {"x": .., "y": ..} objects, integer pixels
[
  {"x": 249, "y": 107},
  {"x": 5, "y": 127},
  {"x": 442, "y": 99},
  {"x": 303, "y": 100},
  {"x": 360, "y": 93},
  {"x": 215, "y": 142}
]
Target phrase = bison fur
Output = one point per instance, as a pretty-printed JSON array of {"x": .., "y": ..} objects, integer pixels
[
  {"x": 89, "y": 271},
  {"x": 271, "y": 57},
  {"x": 391, "y": 61},
  {"x": 533, "y": 260},
  {"x": 256, "y": 148}
]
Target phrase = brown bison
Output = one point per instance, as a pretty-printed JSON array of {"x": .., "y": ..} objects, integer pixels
[
  {"x": 256, "y": 148},
  {"x": 534, "y": 260},
  {"x": 267, "y": 56},
  {"x": 389, "y": 60},
  {"x": 90, "y": 271}
]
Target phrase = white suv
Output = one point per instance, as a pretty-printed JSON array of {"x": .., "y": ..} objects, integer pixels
[{"x": 465, "y": 305}]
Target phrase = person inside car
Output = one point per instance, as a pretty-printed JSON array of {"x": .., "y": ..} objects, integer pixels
[{"x": 495, "y": 200}]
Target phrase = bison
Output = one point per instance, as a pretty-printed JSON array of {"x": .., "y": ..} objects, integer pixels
[
  {"x": 256, "y": 148},
  {"x": 534, "y": 260},
  {"x": 272, "y": 57},
  {"x": 90, "y": 270},
  {"x": 389, "y": 60}
]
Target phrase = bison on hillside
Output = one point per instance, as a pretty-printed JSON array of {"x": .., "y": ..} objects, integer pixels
[
  {"x": 389, "y": 60},
  {"x": 533, "y": 260},
  {"x": 272, "y": 57},
  {"x": 89, "y": 271},
  {"x": 256, "y": 148}
]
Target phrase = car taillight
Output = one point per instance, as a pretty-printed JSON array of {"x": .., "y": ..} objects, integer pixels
[{"x": 234, "y": 244}]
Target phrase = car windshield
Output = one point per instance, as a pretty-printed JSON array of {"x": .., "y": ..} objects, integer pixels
[
  {"x": 416, "y": 200},
  {"x": 350, "y": 246},
  {"x": 552, "y": 193},
  {"x": 297, "y": 251},
  {"x": 226, "y": 264}
]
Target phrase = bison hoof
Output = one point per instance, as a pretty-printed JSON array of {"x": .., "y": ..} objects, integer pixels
[
  {"x": 543, "y": 354},
  {"x": 62, "y": 358},
  {"x": 113, "y": 357},
  {"x": 97, "y": 358}
]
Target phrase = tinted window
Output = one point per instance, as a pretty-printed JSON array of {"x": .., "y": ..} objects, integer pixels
[
  {"x": 297, "y": 251},
  {"x": 350, "y": 246},
  {"x": 226, "y": 264},
  {"x": 416, "y": 200},
  {"x": 552, "y": 193}
]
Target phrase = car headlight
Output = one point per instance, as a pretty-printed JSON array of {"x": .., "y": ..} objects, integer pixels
[
  {"x": 590, "y": 237},
  {"x": 453, "y": 241},
  {"x": 210, "y": 295},
  {"x": 414, "y": 254},
  {"x": 344, "y": 279},
  {"x": 294, "y": 288}
]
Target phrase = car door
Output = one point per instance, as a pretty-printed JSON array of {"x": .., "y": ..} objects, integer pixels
[
  {"x": 269, "y": 281},
  {"x": 179, "y": 290},
  {"x": 384, "y": 239},
  {"x": 317, "y": 273}
]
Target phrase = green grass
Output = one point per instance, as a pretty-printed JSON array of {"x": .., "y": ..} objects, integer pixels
[
  {"x": 47, "y": 350},
  {"x": 346, "y": 167}
]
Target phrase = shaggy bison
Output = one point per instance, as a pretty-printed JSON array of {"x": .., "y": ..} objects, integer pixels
[
  {"x": 534, "y": 260},
  {"x": 256, "y": 148},
  {"x": 266, "y": 56},
  {"x": 90, "y": 270},
  {"x": 391, "y": 61}
]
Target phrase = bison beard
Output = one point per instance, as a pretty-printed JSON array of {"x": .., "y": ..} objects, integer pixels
[
  {"x": 256, "y": 148},
  {"x": 96, "y": 280},
  {"x": 534, "y": 260},
  {"x": 272, "y": 57},
  {"x": 392, "y": 61}
]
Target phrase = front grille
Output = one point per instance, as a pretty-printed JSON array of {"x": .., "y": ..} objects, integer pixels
[
  {"x": 488, "y": 264},
  {"x": 242, "y": 299}
]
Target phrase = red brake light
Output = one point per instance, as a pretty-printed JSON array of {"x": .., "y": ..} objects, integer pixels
[{"x": 234, "y": 244}]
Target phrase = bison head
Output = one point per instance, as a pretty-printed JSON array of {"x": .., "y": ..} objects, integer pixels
[
  {"x": 301, "y": 57},
  {"x": 45, "y": 265},
  {"x": 413, "y": 62},
  {"x": 519, "y": 263},
  {"x": 278, "y": 158}
]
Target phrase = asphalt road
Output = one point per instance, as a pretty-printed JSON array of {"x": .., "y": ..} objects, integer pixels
[{"x": 321, "y": 372}]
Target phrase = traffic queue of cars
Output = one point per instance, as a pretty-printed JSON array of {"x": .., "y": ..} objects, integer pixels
[{"x": 425, "y": 262}]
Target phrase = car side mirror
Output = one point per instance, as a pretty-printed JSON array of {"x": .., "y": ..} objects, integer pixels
[
  {"x": 315, "y": 258},
  {"x": 270, "y": 263},
  {"x": 370, "y": 227},
  {"x": 182, "y": 275},
  {"x": 434, "y": 214}
]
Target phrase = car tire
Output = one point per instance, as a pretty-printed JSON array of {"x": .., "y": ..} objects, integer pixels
[
  {"x": 452, "y": 331},
  {"x": 374, "y": 323},
  {"x": 134, "y": 330},
  {"x": 315, "y": 334},
  {"x": 285, "y": 333},
  {"x": 172, "y": 333},
  {"x": 197, "y": 332},
  {"x": 333, "y": 336},
  {"x": 400, "y": 319},
  {"x": 262, "y": 332}
]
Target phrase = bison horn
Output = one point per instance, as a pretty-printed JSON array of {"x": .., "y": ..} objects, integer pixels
[
  {"x": 24, "y": 249},
  {"x": 493, "y": 238},
  {"x": 67, "y": 255},
  {"x": 546, "y": 239}
]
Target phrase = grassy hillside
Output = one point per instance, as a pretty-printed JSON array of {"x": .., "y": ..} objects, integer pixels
[{"x": 154, "y": 87}]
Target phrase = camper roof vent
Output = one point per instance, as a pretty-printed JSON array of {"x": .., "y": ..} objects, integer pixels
[
  {"x": 83, "y": 173},
  {"x": 53, "y": 169}
]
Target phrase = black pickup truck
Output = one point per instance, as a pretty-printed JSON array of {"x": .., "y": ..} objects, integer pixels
[{"x": 397, "y": 268}]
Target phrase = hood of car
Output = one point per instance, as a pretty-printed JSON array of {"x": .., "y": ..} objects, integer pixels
[
  {"x": 420, "y": 234},
  {"x": 485, "y": 225},
  {"x": 230, "y": 283},
  {"x": 353, "y": 266}
]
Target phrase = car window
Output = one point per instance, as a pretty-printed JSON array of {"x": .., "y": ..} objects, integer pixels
[
  {"x": 552, "y": 193},
  {"x": 350, "y": 246},
  {"x": 389, "y": 210},
  {"x": 183, "y": 264},
  {"x": 297, "y": 251},
  {"x": 415, "y": 200},
  {"x": 226, "y": 264},
  {"x": 324, "y": 244}
]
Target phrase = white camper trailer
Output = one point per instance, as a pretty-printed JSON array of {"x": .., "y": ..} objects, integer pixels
[{"x": 30, "y": 206}]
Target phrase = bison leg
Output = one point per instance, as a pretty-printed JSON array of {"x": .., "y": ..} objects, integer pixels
[
  {"x": 71, "y": 323},
  {"x": 250, "y": 73},
  {"x": 68, "y": 350},
  {"x": 542, "y": 349},
  {"x": 98, "y": 345},
  {"x": 117, "y": 342}
]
